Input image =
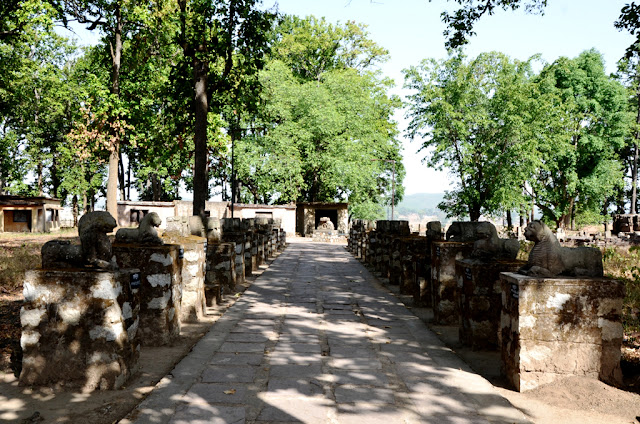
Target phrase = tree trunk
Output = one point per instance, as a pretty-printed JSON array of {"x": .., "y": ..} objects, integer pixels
[
  {"x": 634, "y": 166},
  {"x": 634, "y": 173},
  {"x": 112, "y": 179},
  {"x": 509, "y": 220},
  {"x": 474, "y": 212},
  {"x": 121, "y": 176},
  {"x": 74, "y": 202},
  {"x": 200, "y": 174}
]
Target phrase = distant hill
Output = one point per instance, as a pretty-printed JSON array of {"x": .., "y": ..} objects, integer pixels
[{"x": 422, "y": 204}]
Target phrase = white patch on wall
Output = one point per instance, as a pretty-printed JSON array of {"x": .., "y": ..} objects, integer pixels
[
  {"x": 162, "y": 280},
  {"x": 31, "y": 317},
  {"x": 164, "y": 260},
  {"x": 105, "y": 290},
  {"x": 558, "y": 300}
]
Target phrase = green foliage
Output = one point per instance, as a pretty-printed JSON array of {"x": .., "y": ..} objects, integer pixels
[
  {"x": 586, "y": 114},
  {"x": 474, "y": 119},
  {"x": 324, "y": 132},
  {"x": 460, "y": 23},
  {"x": 623, "y": 265}
]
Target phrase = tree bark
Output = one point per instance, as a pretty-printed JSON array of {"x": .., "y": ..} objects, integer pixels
[
  {"x": 121, "y": 176},
  {"x": 112, "y": 179},
  {"x": 509, "y": 220},
  {"x": 200, "y": 172}
]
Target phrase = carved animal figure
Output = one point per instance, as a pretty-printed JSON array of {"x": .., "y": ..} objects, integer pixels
[
  {"x": 434, "y": 230},
  {"x": 548, "y": 258},
  {"x": 94, "y": 249},
  {"x": 489, "y": 246},
  {"x": 145, "y": 233},
  {"x": 463, "y": 231}
]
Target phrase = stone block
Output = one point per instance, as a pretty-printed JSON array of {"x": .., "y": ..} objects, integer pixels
[
  {"x": 221, "y": 269},
  {"x": 445, "y": 293},
  {"x": 552, "y": 328},
  {"x": 160, "y": 289},
  {"x": 80, "y": 328},
  {"x": 192, "y": 263},
  {"x": 481, "y": 300}
]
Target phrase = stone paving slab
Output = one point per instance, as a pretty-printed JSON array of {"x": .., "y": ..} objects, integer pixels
[{"x": 316, "y": 339}]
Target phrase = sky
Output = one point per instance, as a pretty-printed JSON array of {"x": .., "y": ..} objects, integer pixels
[{"x": 411, "y": 30}]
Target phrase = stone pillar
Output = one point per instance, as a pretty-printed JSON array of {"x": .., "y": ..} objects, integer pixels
[
  {"x": 80, "y": 328},
  {"x": 445, "y": 293},
  {"x": 192, "y": 261},
  {"x": 481, "y": 300},
  {"x": 552, "y": 328},
  {"x": 221, "y": 276},
  {"x": 233, "y": 231},
  {"x": 160, "y": 289}
]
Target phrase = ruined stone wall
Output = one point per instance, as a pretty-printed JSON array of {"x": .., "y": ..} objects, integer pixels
[
  {"x": 557, "y": 327},
  {"x": 80, "y": 328},
  {"x": 160, "y": 289}
]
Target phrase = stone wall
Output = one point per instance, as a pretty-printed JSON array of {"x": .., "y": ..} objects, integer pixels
[
  {"x": 80, "y": 328},
  {"x": 557, "y": 327},
  {"x": 160, "y": 289}
]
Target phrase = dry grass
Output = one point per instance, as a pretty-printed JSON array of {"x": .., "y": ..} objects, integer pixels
[{"x": 623, "y": 263}]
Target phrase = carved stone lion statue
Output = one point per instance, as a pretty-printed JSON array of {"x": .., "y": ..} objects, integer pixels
[
  {"x": 145, "y": 233},
  {"x": 94, "y": 249},
  {"x": 548, "y": 258},
  {"x": 489, "y": 246}
]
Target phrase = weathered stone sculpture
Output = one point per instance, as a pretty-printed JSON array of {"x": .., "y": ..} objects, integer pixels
[
  {"x": 434, "y": 230},
  {"x": 463, "y": 231},
  {"x": 489, "y": 246},
  {"x": 146, "y": 232},
  {"x": 325, "y": 224},
  {"x": 94, "y": 249},
  {"x": 548, "y": 258}
]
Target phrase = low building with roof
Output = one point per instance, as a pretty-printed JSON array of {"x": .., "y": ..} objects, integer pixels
[{"x": 29, "y": 214}]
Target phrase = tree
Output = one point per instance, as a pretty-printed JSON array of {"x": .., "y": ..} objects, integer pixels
[
  {"x": 587, "y": 123},
  {"x": 474, "y": 118},
  {"x": 460, "y": 23},
  {"x": 211, "y": 33},
  {"x": 115, "y": 19},
  {"x": 325, "y": 129}
]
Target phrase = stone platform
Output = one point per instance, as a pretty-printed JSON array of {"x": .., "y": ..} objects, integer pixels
[
  {"x": 558, "y": 327},
  {"x": 481, "y": 300},
  {"x": 160, "y": 289},
  {"x": 445, "y": 293},
  {"x": 80, "y": 328}
]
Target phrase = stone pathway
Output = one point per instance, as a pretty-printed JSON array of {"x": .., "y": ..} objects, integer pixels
[{"x": 316, "y": 339}]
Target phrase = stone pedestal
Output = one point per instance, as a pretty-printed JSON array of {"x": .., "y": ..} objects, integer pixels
[
  {"x": 221, "y": 270},
  {"x": 191, "y": 259},
  {"x": 80, "y": 328},
  {"x": 160, "y": 289},
  {"x": 558, "y": 327},
  {"x": 481, "y": 300},
  {"x": 238, "y": 239},
  {"x": 282, "y": 239},
  {"x": 445, "y": 293}
]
